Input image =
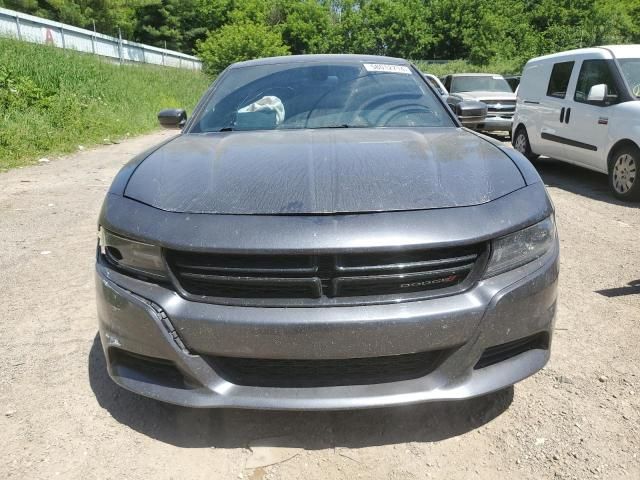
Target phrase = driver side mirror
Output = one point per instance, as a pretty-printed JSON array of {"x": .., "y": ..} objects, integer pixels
[
  {"x": 470, "y": 112},
  {"x": 172, "y": 118}
]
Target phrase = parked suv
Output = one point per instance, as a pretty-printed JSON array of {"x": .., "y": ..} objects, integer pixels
[
  {"x": 582, "y": 107},
  {"x": 493, "y": 90},
  {"x": 324, "y": 234}
]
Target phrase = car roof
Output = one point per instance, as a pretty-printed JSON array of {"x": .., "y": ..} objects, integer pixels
[
  {"x": 325, "y": 58},
  {"x": 624, "y": 51},
  {"x": 619, "y": 51}
]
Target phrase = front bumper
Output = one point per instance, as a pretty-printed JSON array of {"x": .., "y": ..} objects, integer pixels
[
  {"x": 496, "y": 124},
  {"x": 152, "y": 321}
]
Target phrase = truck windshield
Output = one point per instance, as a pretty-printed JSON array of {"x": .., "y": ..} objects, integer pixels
[
  {"x": 631, "y": 71},
  {"x": 480, "y": 83},
  {"x": 299, "y": 95}
]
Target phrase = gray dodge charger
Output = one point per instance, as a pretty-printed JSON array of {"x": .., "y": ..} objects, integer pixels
[{"x": 323, "y": 234}]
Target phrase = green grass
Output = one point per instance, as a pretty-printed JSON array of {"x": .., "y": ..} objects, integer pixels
[
  {"x": 503, "y": 67},
  {"x": 52, "y": 100}
]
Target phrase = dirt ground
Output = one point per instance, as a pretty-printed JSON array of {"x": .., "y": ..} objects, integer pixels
[{"x": 61, "y": 416}]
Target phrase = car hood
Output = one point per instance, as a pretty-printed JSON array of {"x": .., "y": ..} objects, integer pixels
[
  {"x": 292, "y": 172},
  {"x": 491, "y": 96}
]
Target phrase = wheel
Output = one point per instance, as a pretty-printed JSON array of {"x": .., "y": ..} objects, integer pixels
[
  {"x": 623, "y": 173},
  {"x": 521, "y": 143}
]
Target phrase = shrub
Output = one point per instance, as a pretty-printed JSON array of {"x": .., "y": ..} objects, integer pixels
[{"x": 237, "y": 42}]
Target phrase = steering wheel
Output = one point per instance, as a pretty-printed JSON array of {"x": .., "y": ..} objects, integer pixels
[
  {"x": 408, "y": 109},
  {"x": 636, "y": 90}
]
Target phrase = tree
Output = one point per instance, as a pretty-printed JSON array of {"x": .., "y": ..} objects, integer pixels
[
  {"x": 239, "y": 41},
  {"x": 399, "y": 29},
  {"x": 481, "y": 32},
  {"x": 108, "y": 15}
]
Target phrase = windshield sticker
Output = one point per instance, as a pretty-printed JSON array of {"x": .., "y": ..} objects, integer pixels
[{"x": 383, "y": 67}]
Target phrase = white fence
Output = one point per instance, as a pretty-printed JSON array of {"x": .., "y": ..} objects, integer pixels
[{"x": 39, "y": 30}]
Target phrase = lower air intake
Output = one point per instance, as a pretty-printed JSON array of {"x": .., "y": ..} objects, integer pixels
[
  {"x": 505, "y": 351},
  {"x": 325, "y": 373}
]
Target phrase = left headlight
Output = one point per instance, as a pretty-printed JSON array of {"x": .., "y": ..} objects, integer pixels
[
  {"x": 132, "y": 256},
  {"x": 521, "y": 247}
]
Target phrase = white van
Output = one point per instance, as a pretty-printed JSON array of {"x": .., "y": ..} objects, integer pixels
[{"x": 583, "y": 107}]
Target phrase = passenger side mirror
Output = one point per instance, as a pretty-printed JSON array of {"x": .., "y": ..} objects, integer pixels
[
  {"x": 598, "y": 93},
  {"x": 470, "y": 112},
  {"x": 172, "y": 118}
]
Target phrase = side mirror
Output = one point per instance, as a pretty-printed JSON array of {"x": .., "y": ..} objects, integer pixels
[
  {"x": 172, "y": 118},
  {"x": 598, "y": 93},
  {"x": 470, "y": 112}
]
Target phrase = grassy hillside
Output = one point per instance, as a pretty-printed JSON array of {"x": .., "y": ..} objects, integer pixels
[
  {"x": 53, "y": 100},
  {"x": 503, "y": 67}
]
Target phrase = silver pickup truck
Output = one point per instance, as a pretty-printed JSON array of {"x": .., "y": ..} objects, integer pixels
[{"x": 487, "y": 88}]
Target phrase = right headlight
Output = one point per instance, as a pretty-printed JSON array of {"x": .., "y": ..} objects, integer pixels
[
  {"x": 132, "y": 256},
  {"x": 521, "y": 247}
]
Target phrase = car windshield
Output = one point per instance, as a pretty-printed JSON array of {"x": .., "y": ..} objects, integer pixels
[
  {"x": 480, "y": 83},
  {"x": 297, "y": 95},
  {"x": 631, "y": 71}
]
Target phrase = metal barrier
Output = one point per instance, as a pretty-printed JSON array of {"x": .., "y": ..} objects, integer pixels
[{"x": 40, "y": 30}]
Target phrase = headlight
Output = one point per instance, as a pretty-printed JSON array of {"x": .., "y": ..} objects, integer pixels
[
  {"x": 522, "y": 247},
  {"x": 130, "y": 255}
]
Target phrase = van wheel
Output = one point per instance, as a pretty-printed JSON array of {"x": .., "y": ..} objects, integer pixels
[
  {"x": 624, "y": 170},
  {"x": 521, "y": 143}
]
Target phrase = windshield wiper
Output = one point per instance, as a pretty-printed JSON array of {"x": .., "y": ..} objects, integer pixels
[
  {"x": 226, "y": 129},
  {"x": 342, "y": 125}
]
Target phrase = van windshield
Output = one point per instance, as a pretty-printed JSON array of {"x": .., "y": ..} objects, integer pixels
[
  {"x": 631, "y": 71},
  {"x": 300, "y": 95},
  {"x": 480, "y": 83}
]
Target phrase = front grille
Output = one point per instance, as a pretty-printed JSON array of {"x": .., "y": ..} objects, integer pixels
[
  {"x": 325, "y": 373},
  {"x": 322, "y": 279},
  {"x": 500, "y": 108},
  {"x": 504, "y": 103}
]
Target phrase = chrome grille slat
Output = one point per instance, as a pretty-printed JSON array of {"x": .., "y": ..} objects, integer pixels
[{"x": 409, "y": 265}]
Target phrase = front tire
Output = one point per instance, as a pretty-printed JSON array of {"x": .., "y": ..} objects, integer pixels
[
  {"x": 521, "y": 143},
  {"x": 624, "y": 170}
]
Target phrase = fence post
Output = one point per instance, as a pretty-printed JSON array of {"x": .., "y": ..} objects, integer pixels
[
  {"x": 62, "y": 37},
  {"x": 18, "y": 28},
  {"x": 93, "y": 39},
  {"x": 120, "y": 45}
]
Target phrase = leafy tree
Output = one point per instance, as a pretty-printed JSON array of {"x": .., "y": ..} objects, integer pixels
[
  {"x": 179, "y": 24},
  {"x": 483, "y": 32},
  {"x": 308, "y": 27},
  {"x": 239, "y": 41},
  {"x": 388, "y": 27}
]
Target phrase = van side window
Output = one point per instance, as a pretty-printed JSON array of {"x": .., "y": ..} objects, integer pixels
[
  {"x": 560, "y": 75},
  {"x": 594, "y": 72}
]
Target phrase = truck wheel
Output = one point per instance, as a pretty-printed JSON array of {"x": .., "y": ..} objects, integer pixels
[
  {"x": 624, "y": 170},
  {"x": 521, "y": 143}
]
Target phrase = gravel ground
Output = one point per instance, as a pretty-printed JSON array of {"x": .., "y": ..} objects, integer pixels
[{"x": 60, "y": 415}]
